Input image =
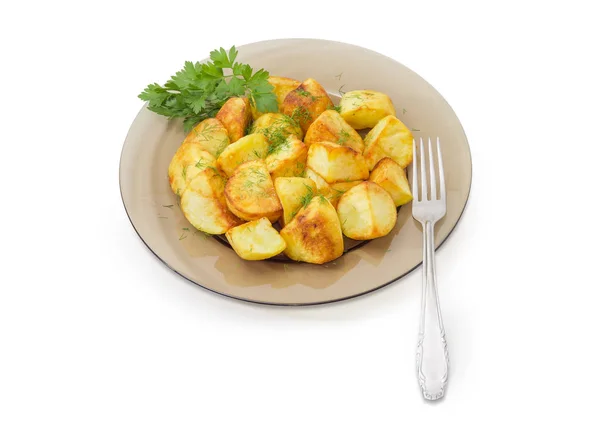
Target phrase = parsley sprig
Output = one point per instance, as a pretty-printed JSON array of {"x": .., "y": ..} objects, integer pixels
[{"x": 198, "y": 91}]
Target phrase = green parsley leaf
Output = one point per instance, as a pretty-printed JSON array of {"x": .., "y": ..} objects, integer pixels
[{"x": 199, "y": 90}]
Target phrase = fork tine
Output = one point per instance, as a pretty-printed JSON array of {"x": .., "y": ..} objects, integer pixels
[
  {"x": 423, "y": 162},
  {"x": 441, "y": 172},
  {"x": 415, "y": 183},
  {"x": 432, "y": 173}
]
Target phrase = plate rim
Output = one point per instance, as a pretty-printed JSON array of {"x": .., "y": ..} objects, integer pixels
[{"x": 331, "y": 301}]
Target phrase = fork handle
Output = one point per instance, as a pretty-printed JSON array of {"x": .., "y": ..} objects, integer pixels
[{"x": 432, "y": 350}]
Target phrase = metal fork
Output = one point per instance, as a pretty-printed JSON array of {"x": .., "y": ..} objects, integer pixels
[{"x": 428, "y": 207}]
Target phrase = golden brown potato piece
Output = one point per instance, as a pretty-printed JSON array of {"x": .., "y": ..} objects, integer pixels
[
  {"x": 189, "y": 160},
  {"x": 281, "y": 87},
  {"x": 287, "y": 159},
  {"x": 331, "y": 127},
  {"x": 251, "y": 147},
  {"x": 338, "y": 189},
  {"x": 250, "y": 193},
  {"x": 389, "y": 138},
  {"x": 203, "y": 203},
  {"x": 294, "y": 193},
  {"x": 314, "y": 235},
  {"x": 364, "y": 109},
  {"x": 256, "y": 240},
  {"x": 276, "y": 127},
  {"x": 366, "y": 212},
  {"x": 336, "y": 163},
  {"x": 305, "y": 103},
  {"x": 235, "y": 115},
  {"x": 389, "y": 175},
  {"x": 210, "y": 135}
]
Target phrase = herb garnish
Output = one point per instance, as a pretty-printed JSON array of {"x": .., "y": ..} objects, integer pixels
[{"x": 198, "y": 91}]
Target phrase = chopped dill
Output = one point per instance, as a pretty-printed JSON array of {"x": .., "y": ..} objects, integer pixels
[
  {"x": 163, "y": 217},
  {"x": 415, "y": 129},
  {"x": 340, "y": 90},
  {"x": 308, "y": 196},
  {"x": 183, "y": 236},
  {"x": 300, "y": 114},
  {"x": 168, "y": 206},
  {"x": 285, "y": 266},
  {"x": 339, "y": 76},
  {"x": 303, "y": 92},
  {"x": 204, "y": 134},
  {"x": 404, "y": 111},
  {"x": 337, "y": 108},
  {"x": 201, "y": 164},
  {"x": 344, "y": 136},
  {"x": 185, "y": 229},
  {"x": 184, "y": 173},
  {"x": 338, "y": 193}
]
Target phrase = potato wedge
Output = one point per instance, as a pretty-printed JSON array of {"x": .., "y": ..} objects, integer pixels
[
  {"x": 251, "y": 147},
  {"x": 250, "y": 193},
  {"x": 331, "y": 127},
  {"x": 336, "y": 163},
  {"x": 392, "y": 177},
  {"x": 305, "y": 103},
  {"x": 364, "y": 109},
  {"x": 256, "y": 240},
  {"x": 276, "y": 127},
  {"x": 389, "y": 138},
  {"x": 203, "y": 203},
  {"x": 366, "y": 212},
  {"x": 314, "y": 235},
  {"x": 294, "y": 193},
  {"x": 210, "y": 135},
  {"x": 287, "y": 159},
  {"x": 338, "y": 189},
  {"x": 323, "y": 187},
  {"x": 281, "y": 87},
  {"x": 235, "y": 115},
  {"x": 189, "y": 160}
]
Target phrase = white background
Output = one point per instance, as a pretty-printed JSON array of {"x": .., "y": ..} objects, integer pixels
[{"x": 97, "y": 337}]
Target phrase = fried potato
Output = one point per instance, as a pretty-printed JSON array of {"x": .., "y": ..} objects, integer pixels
[
  {"x": 281, "y": 87},
  {"x": 235, "y": 115},
  {"x": 251, "y": 147},
  {"x": 336, "y": 163},
  {"x": 389, "y": 175},
  {"x": 314, "y": 235},
  {"x": 338, "y": 189},
  {"x": 364, "y": 109},
  {"x": 203, "y": 203},
  {"x": 189, "y": 160},
  {"x": 250, "y": 193},
  {"x": 389, "y": 138},
  {"x": 331, "y": 127},
  {"x": 210, "y": 135},
  {"x": 256, "y": 240},
  {"x": 305, "y": 103},
  {"x": 366, "y": 212},
  {"x": 294, "y": 193},
  {"x": 323, "y": 187},
  {"x": 287, "y": 159},
  {"x": 276, "y": 127}
]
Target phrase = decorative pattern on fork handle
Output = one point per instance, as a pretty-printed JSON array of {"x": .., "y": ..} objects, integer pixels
[{"x": 432, "y": 348}]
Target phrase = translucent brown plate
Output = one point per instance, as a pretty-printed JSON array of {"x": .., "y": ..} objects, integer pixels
[{"x": 209, "y": 262}]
